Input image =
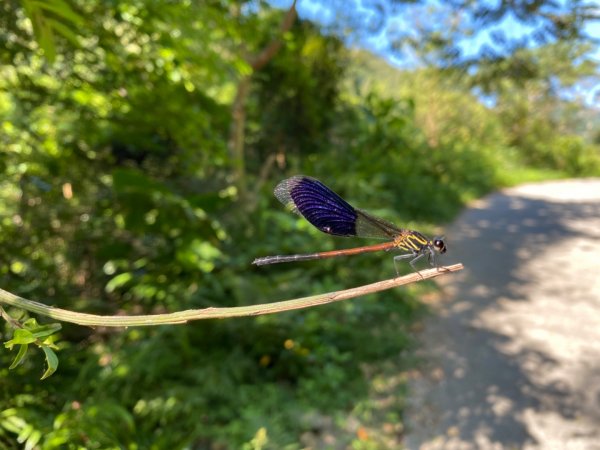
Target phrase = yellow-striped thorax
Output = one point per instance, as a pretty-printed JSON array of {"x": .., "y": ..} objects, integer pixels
[{"x": 415, "y": 242}]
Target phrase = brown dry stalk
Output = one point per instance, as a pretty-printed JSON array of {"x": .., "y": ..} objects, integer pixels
[{"x": 217, "y": 313}]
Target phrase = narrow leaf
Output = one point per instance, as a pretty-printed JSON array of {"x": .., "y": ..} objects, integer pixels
[
  {"x": 60, "y": 8},
  {"x": 45, "y": 39},
  {"x": 25, "y": 433},
  {"x": 20, "y": 355},
  {"x": 64, "y": 31},
  {"x": 118, "y": 281},
  {"x": 33, "y": 440},
  {"x": 51, "y": 360},
  {"x": 45, "y": 330}
]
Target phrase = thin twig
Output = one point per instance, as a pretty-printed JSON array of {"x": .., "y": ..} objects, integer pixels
[
  {"x": 217, "y": 313},
  {"x": 12, "y": 322}
]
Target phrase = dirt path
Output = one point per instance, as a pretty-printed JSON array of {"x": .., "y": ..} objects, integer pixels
[{"x": 512, "y": 359}]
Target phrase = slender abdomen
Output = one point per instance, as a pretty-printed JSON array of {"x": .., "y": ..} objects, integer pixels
[
  {"x": 284, "y": 258},
  {"x": 322, "y": 255}
]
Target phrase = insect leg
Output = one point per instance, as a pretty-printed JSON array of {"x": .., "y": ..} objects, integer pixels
[
  {"x": 431, "y": 258},
  {"x": 414, "y": 260},
  {"x": 399, "y": 257}
]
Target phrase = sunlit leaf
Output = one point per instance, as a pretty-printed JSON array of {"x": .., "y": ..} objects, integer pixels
[
  {"x": 20, "y": 336},
  {"x": 30, "y": 323},
  {"x": 199, "y": 254},
  {"x": 25, "y": 433},
  {"x": 33, "y": 439},
  {"x": 118, "y": 281}
]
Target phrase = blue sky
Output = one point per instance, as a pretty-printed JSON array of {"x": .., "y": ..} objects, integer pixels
[{"x": 404, "y": 20}]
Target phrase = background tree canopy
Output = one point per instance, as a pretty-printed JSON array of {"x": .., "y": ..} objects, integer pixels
[{"x": 140, "y": 142}]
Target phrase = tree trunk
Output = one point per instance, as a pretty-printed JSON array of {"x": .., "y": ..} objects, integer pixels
[{"x": 238, "y": 112}]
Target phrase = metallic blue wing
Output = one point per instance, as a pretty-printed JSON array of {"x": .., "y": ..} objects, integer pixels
[{"x": 318, "y": 204}]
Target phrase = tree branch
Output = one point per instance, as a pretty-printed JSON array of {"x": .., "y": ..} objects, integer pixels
[
  {"x": 260, "y": 60},
  {"x": 217, "y": 313},
  {"x": 238, "y": 110}
]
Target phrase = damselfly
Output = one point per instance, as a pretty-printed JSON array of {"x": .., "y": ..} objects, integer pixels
[{"x": 331, "y": 214}]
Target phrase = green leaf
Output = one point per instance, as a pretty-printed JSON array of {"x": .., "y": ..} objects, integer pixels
[
  {"x": 20, "y": 355},
  {"x": 118, "y": 281},
  {"x": 45, "y": 36},
  {"x": 46, "y": 330},
  {"x": 60, "y": 8},
  {"x": 45, "y": 27},
  {"x": 199, "y": 255},
  {"x": 30, "y": 323},
  {"x": 25, "y": 433},
  {"x": 130, "y": 180},
  {"x": 20, "y": 336},
  {"x": 64, "y": 31},
  {"x": 51, "y": 360},
  {"x": 41, "y": 331},
  {"x": 33, "y": 439}
]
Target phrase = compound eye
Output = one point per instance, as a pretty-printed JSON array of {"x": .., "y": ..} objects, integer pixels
[{"x": 439, "y": 245}]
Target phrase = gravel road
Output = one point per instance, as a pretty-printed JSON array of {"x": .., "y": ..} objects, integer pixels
[{"x": 512, "y": 356}]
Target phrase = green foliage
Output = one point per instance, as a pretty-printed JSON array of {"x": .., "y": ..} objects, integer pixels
[
  {"x": 117, "y": 199},
  {"x": 569, "y": 154},
  {"x": 30, "y": 332},
  {"x": 50, "y": 19},
  {"x": 533, "y": 123},
  {"x": 547, "y": 127},
  {"x": 296, "y": 96}
]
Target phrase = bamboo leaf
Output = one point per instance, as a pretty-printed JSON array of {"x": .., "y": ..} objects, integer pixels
[
  {"x": 60, "y": 8},
  {"x": 45, "y": 37},
  {"x": 64, "y": 31}
]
